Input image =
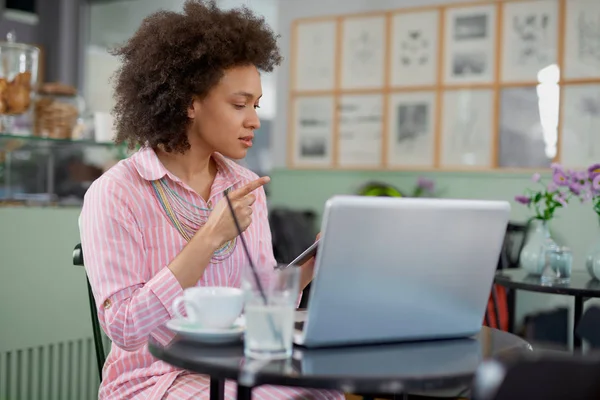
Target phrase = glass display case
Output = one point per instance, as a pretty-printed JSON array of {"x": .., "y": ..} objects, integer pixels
[{"x": 36, "y": 171}]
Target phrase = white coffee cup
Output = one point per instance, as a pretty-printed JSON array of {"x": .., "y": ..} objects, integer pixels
[{"x": 210, "y": 306}]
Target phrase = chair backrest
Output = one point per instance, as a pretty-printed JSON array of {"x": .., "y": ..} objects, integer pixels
[
  {"x": 98, "y": 339},
  {"x": 292, "y": 231},
  {"x": 514, "y": 240},
  {"x": 538, "y": 376},
  {"x": 501, "y": 302}
]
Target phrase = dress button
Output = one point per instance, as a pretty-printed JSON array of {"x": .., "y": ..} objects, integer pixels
[
  {"x": 209, "y": 204},
  {"x": 107, "y": 304}
]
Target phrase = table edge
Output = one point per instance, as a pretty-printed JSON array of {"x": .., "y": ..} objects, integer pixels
[
  {"x": 507, "y": 282},
  {"x": 346, "y": 384}
]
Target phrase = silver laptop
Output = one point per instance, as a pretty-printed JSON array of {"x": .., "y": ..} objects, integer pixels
[{"x": 402, "y": 269}]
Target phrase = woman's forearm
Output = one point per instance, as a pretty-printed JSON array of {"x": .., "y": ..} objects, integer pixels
[{"x": 190, "y": 264}]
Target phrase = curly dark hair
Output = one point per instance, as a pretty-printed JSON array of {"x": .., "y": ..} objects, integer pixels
[{"x": 175, "y": 56}]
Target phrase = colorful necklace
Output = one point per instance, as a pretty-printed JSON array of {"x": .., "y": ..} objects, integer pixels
[{"x": 187, "y": 217}]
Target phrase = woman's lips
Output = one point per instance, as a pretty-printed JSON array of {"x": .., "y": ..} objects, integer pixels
[{"x": 247, "y": 140}]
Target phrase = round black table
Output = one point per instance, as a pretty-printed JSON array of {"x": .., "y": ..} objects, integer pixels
[
  {"x": 581, "y": 286},
  {"x": 432, "y": 367}
]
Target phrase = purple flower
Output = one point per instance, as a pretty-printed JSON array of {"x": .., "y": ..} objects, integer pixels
[
  {"x": 425, "y": 184},
  {"x": 580, "y": 176},
  {"x": 594, "y": 171},
  {"x": 556, "y": 167},
  {"x": 560, "y": 177},
  {"x": 560, "y": 198},
  {"x": 536, "y": 177},
  {"x": 576, "y": 188},
  {"x": 579, "y": 182},
  {"x": 596, "y": 183},
  {"x": 552, "y": 187},
  {"x": 523, "y": 199}
]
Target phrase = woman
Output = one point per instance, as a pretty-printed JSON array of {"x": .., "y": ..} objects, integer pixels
[{"x": 157, "y": 223}]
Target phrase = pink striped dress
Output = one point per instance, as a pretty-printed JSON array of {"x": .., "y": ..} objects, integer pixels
[{"x": 128, "y": 241}]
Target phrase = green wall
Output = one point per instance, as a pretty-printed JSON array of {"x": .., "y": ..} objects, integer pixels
[{"x": 43, "y": 297}]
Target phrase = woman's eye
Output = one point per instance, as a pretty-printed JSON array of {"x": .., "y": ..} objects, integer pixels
[
  {"x": 256, "y": 106},
  {"x": 239, "y": 106}
]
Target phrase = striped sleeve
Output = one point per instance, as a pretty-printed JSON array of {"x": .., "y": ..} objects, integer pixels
[{"x": 131, "y": 302}]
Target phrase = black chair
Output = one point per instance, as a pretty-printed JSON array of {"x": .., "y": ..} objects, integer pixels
[
  {"x": 292, "y": 232},
  {"x": 588, "y": 327},
  {"x": 548, "y": 376},
  {"x": 98, "y": 341},
  {"x": 514, "y": 240}
]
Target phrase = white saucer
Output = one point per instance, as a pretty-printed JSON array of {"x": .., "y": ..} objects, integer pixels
[{"x": 194, "y": 332}]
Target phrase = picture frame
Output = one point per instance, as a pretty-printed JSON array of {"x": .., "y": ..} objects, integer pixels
[
  {"x": 313, "y": 128},
  {"x": 470, "y": 44},
  {"x": 528, "y": 126},
  {"x": 315, "y": 54},
  {"x": 580, "y": 127},
  {"x": 582, "y": 40},
  {"x": 411, "y": 134},
  {"x": 363, "y": 52},
  {"x": 530, "y": 39},
  {"x": 467, "y": 126},
  {"x": 360, "y": 130},
  {"x": 415, "y": 48}
]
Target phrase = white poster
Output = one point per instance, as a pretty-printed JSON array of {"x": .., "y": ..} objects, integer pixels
[
  {"x": 315, "y": 55},
  {"x": 360, "y": 130},
  {"x": 467, "y": 128},
  {"x": 313, "y": 131},
  {"x": 470, "y": 47},
  {"x": 411, "y": 129},
  {"x": 580, "y": 138},
  {"x": 582, "y": 39},
  {"x": 530, "y": 39},
  {"x": 363, "y": 52},
  {"x": 414, "y": 55}
]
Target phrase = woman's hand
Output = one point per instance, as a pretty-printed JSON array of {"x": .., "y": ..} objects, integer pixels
[
  {"x": 308, "y": 270},
  {"x": 220, "y": 225}
]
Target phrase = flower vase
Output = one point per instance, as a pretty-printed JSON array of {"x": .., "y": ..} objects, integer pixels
[
  {"x": 592, "y": 260},
  {"x": 533, "y": 255}
]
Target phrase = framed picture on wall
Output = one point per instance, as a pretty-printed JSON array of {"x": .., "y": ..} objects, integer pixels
[
  {"x": 530, "y": 39},
  {"x": 314, "y": 57},
  {"x": 313, "y": 131},
  {"x": 363, "y": 52},
  {"x": 528, "y": 126},
  {"x": 580, "y": 138},
  {"x": 467, "y": 128},
  {"x": 360, "y": 130},
  {"x": 411, "y": 129},
  {"x": 414, "y": 48},
  {"x": 582, "y": 40},
  {"x": 470, "y": 44}
]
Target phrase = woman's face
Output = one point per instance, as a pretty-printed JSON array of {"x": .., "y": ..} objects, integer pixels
[{"x": 225, "y": 120}]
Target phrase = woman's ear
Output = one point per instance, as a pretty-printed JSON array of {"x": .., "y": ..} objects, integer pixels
[{"x": 194, "y": 108}]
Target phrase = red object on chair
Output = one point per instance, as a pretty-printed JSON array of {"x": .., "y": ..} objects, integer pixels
[{"x": 497, "y": 313}]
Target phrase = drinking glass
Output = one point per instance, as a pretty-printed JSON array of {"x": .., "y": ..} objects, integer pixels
[
  {"x": 270, "y": 314},
  {"x": 558, "y": 265}
]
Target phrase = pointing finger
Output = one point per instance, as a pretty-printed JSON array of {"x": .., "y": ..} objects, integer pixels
[{"x": 249, "y": 187}]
